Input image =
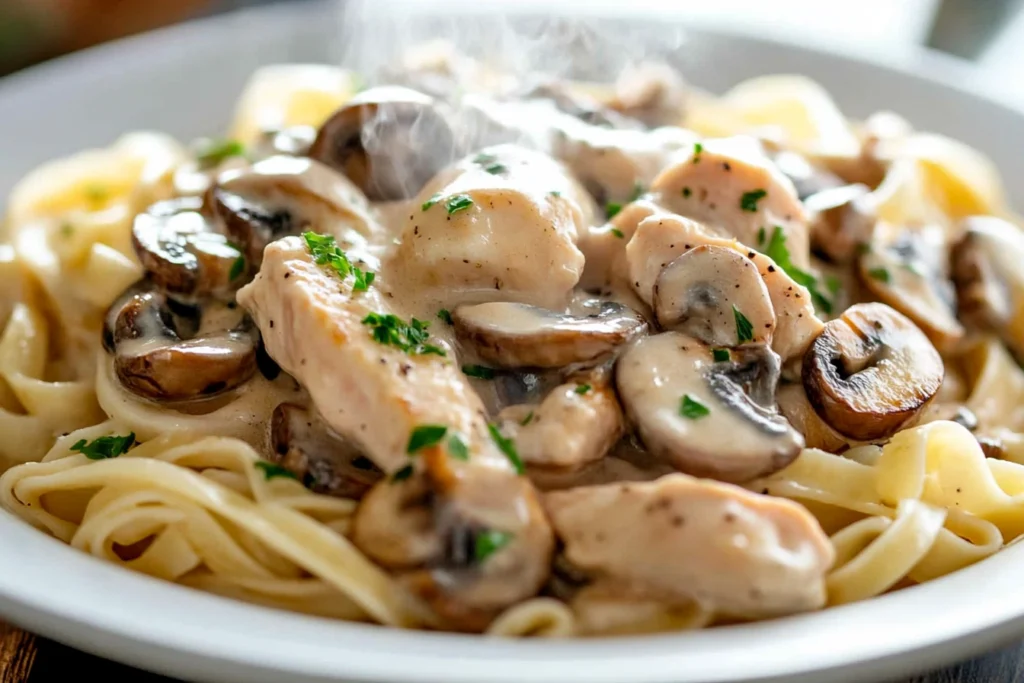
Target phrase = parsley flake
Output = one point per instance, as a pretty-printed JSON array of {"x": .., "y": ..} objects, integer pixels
[
  {"x": 459, "y": 202},
  {"x": 390, "y": 330},
  {"x": 104, "y": 447},
  {"x": 697, "y": 149},
  {"x": 555, "y": 193},
  {"x": 692, "y": 409},
  {"x": 425, "y": 436},
  {"x": 880, "y": 274},
  {"x": 489, "y": 542},
  {"x": 478, "y": 371},
  {"x": 618, "y": 233},
  {"x": 779, "y": 252},
  {"x": 430, "y": 202},
  {"x": 445, "y": 316},
  {"x": 582, "y": 389},
  {"x": 761, "y": 235},
  {"x": 611, "y": 209},
  {"x": 214, "y": 152},
  {"x": 272, "y": 469},
  {"x": 508, "y": 447},
  {"x": 237, "y": 267},
  {"x": 749, "y": 200},
  {"x": 720, "y": 355},
  {"x": 527, "y": 420},
  {"x": 638, "y": 191},
  {"x": 744, "y": 329},
  {"x": 833, "y": 284},
  {"x": 457, "y": 448},
  {"x": 402, "y": 474},
  {"x": 327, "y": 253}
]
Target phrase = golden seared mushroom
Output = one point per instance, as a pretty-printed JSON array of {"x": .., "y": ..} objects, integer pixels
[
  {"x": 842, "y": 221},
  {"x": 716, "y": 295},
  {"x": 388, "y": 140},
  {"x": 794, "y": 406},
  {"x": 284, "y": 195},
  {"x": 318, "y": 457},
  {"x": 707, "y": 417},
  {"x": 988, "y": 269},
  {"x": 735, "y": 552},
  {"x": 908, "y": 272},
  {"x": 171, "y": 352},
  {"x": 576, "y": 424},
  {"x": 733, "y": 188},
  {"x": 512, "y": 335},
  {"x": 182, "y": 252},
  {"x": 871, "y": 372}
]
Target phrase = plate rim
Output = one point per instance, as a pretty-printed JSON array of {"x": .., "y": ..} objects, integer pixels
[{"x": 48, "y": 602}]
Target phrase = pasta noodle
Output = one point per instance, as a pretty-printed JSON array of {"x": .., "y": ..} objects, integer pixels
[{"x": 188, "y": 495}]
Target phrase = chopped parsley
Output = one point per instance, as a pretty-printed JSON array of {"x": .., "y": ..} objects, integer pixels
[
  {"x": 430, "y": 202},
  {"x": 445, "y": 316},
  {"x": 496, "y": 169},
  {"x": 761, "y": 235},
  {"x": 390, "y": 330},
  {"x": 833, "y": 284},
  {"x": 720, "y": 355},
  {"x": 489, "y": 542},
  {"x": 638, "y": 191},
  {"x": 527, "y": 420},
  {"x": 271, "y": 470},
  {"x": 105, "y": 447},
  {"x": 507, "y": 447},
  {"x": 490, "y": 163},
  {"x": 483, "y": 158},
  {"x": 618, "y": 233},
  {"x": 214, "y": 152},
  {"x": 457, "y": 448},
  {"x": 697, "y": 150},
  {"x": 327, "y": 253},
  {"x": 749, "y": 200},
  {"x": 237, "y": 267},
  {"x": 425, "y": 436},
  {"x": 478, "y": 371},
  {"x": 555, "y": 193},
  {"x": 880, "y": 274},
  {"x": 692, "y": 409},
  {"x": 687, "y": 192},
  {"x": 744, "y": 330},
  {"x": 402, "y": 474},
  {"x": 582, "y": 389},
  {"x": 779, "y": 252},
  {"x": 611, "y": 209},
  {"x": 459, "y": 202}
]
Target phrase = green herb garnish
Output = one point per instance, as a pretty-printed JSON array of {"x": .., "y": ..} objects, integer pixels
[
  {"x": 761, "y": 236},
  {"x": 749, "y": 200},
  {"x": 692, "y": 409},
  {"x": 697, "y": 149},
  {"x": 618, "y": 233},
  {"x": 459, "y": 202},
  {"x": 105, "y": 447},
  {"x": 425, "y": 436},
  {"x": 402, "y": 474},
  {"x": 880, "y": 274},
  {"x": 582, "y": 389},
  {"x": 833, "y": 284},
  {"x": 445, "y": 316},
  {"x": 457, "y": 448},
  {"x": 237, "y": 267},
  {"x": 390, "y": 330},
  {"x": 611, "y": 209},
  {"x": 720, "y": 355},
  {"x": 508, "y": 447},
  {"x": 638, "y": 191},
  {"x": 478, "y": 371},
  {"x": 214, "y": 152},
  {"x": 744, "y": 330},
  {"x": 489, "y": 542},
  {"x": 271, "y": 470},
  {"x": 527, "y": 420},
  {"x": 779, "y": 252},
  {"x": 327, "y": 253},
  {"x": 555, "y": 193},
  {"x": 430, "y": 202}
]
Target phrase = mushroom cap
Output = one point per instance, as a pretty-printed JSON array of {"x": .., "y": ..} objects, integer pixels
[
  {"x": 388, "y": 140},
  {"x": 871, "y": 372},
  {"x": 909, "y": 274},
  {"x": 156, "y": 358},
  {"x": 740, "y": 436},
  {"x": 180, "y": 250},
  {"x": 701, "y": 292},
  {"x": 514, "y": 335}
]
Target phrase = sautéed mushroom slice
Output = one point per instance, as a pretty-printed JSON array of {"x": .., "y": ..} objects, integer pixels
[{"x": 415, "y": 416}]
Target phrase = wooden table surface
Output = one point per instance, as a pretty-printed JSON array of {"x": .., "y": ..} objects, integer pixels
[{"x": 25, "y": 658}]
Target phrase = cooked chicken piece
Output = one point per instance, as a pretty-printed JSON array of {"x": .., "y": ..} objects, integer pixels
[
  {"x": 734, "y": 189},
  {"x": 661, "y": 238},
  {"x": 502, "y": 225},
  {"x": 381, "y": 397},
  {"x": 739, "y": 553},
  {"x": 576, "y": 424}
]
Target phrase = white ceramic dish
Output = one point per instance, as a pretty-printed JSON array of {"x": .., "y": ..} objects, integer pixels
[{"x": 185, "y": 81}]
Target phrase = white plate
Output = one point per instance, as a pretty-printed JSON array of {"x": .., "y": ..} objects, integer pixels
[{"x": 185, "y": 80}]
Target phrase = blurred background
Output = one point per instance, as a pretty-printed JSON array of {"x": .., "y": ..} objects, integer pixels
[{"x": 988, "y": 32}]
